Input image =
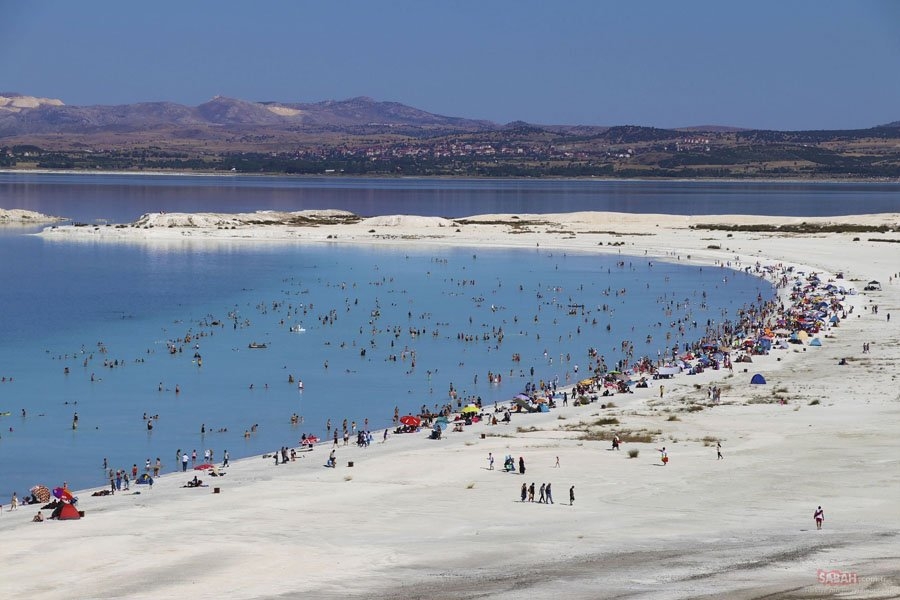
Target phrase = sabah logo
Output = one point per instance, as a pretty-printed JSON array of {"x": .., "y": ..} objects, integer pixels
[{"x": 836, "y": 577}]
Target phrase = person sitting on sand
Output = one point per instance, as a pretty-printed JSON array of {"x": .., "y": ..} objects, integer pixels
[{"x": 38, "y": 518}]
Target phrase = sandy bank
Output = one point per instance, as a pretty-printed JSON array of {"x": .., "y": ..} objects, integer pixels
[{"x": 17, "y": 216}]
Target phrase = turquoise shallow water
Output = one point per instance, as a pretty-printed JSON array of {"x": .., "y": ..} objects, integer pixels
[
  {"x": 84, "y": 306},
  {"x": 58, "y": 300}
]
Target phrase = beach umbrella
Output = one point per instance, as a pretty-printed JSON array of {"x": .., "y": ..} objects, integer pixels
[
  {"x": 411, "y": 420},
  {"x": 41, "y": 492},
  {"x": 62, "y": 494},
  {"x": 470, "y": 408}
]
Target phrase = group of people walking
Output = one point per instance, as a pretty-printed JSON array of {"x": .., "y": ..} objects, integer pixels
[{"x": 546, "y": 493}]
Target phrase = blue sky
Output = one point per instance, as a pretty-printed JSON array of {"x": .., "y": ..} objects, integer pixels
[{"x": 788, "y": 64}]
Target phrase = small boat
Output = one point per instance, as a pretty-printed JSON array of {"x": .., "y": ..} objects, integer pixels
[
  {"x": 298, "y": 329},
  {"x": 257, "y": 345}
]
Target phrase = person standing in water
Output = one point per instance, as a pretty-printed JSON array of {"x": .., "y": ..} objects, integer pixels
[{"x": 819, "y": 516}]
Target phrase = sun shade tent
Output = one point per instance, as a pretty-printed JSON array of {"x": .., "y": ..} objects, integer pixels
[
  {"x": 815, "y": 342},
  {"x": 65, "y": 512},
  {"x": 758, "y": 379}
]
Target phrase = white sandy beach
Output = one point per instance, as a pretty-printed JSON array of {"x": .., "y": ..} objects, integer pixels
[{"x": 417, "y": 518}]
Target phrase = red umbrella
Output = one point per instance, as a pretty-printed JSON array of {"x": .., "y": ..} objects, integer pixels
[
  {"x": 203, "y": 467},
  {"x": 411, "y": 420}
]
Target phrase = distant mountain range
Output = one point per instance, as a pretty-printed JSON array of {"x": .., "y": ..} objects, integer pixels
[
  {"x": 27, "y": 115},
  {"x": 365, "y": 136}
]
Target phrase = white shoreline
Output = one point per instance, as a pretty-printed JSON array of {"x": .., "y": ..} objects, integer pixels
[{"x": 420, "y": 518}]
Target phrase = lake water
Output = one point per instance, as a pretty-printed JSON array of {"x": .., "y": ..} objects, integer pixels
[
  {"x": 123, "y": 198},
  {"x": 108, "y": 312}
]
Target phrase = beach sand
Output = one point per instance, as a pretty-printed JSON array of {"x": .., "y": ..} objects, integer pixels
[{"x": 419, "y": 518}]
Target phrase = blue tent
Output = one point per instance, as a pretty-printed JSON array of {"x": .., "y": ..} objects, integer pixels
[
  {"x": 144, "y": 479},
  {"x": 815, "y": 342},
  {"x": 758, "y": 380}
]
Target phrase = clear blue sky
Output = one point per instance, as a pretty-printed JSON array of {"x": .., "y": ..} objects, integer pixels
[{"x": 768, "y": 64}]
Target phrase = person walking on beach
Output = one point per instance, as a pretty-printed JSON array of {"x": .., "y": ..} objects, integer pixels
[
  {"x": 719, "y": 451},
  {"x": 819, "y": 516},
  {"x": 490, "y": 461},
  {"x": 225, "y": 459},
  {"x": 521, "y": 466},
  {"x": 557, "y": 462},
  {"x": 184, "y": 462},
  {"x": 524, "y": 492},
  {"x": 531, "y": 492},
  {"x": 549, "y": 495},
  {"x": 663, "y": 456},
  {"x": 14, "y": 503},
  {"x": 571, "y": 495},
  {"x": 541, "y": 498}
]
